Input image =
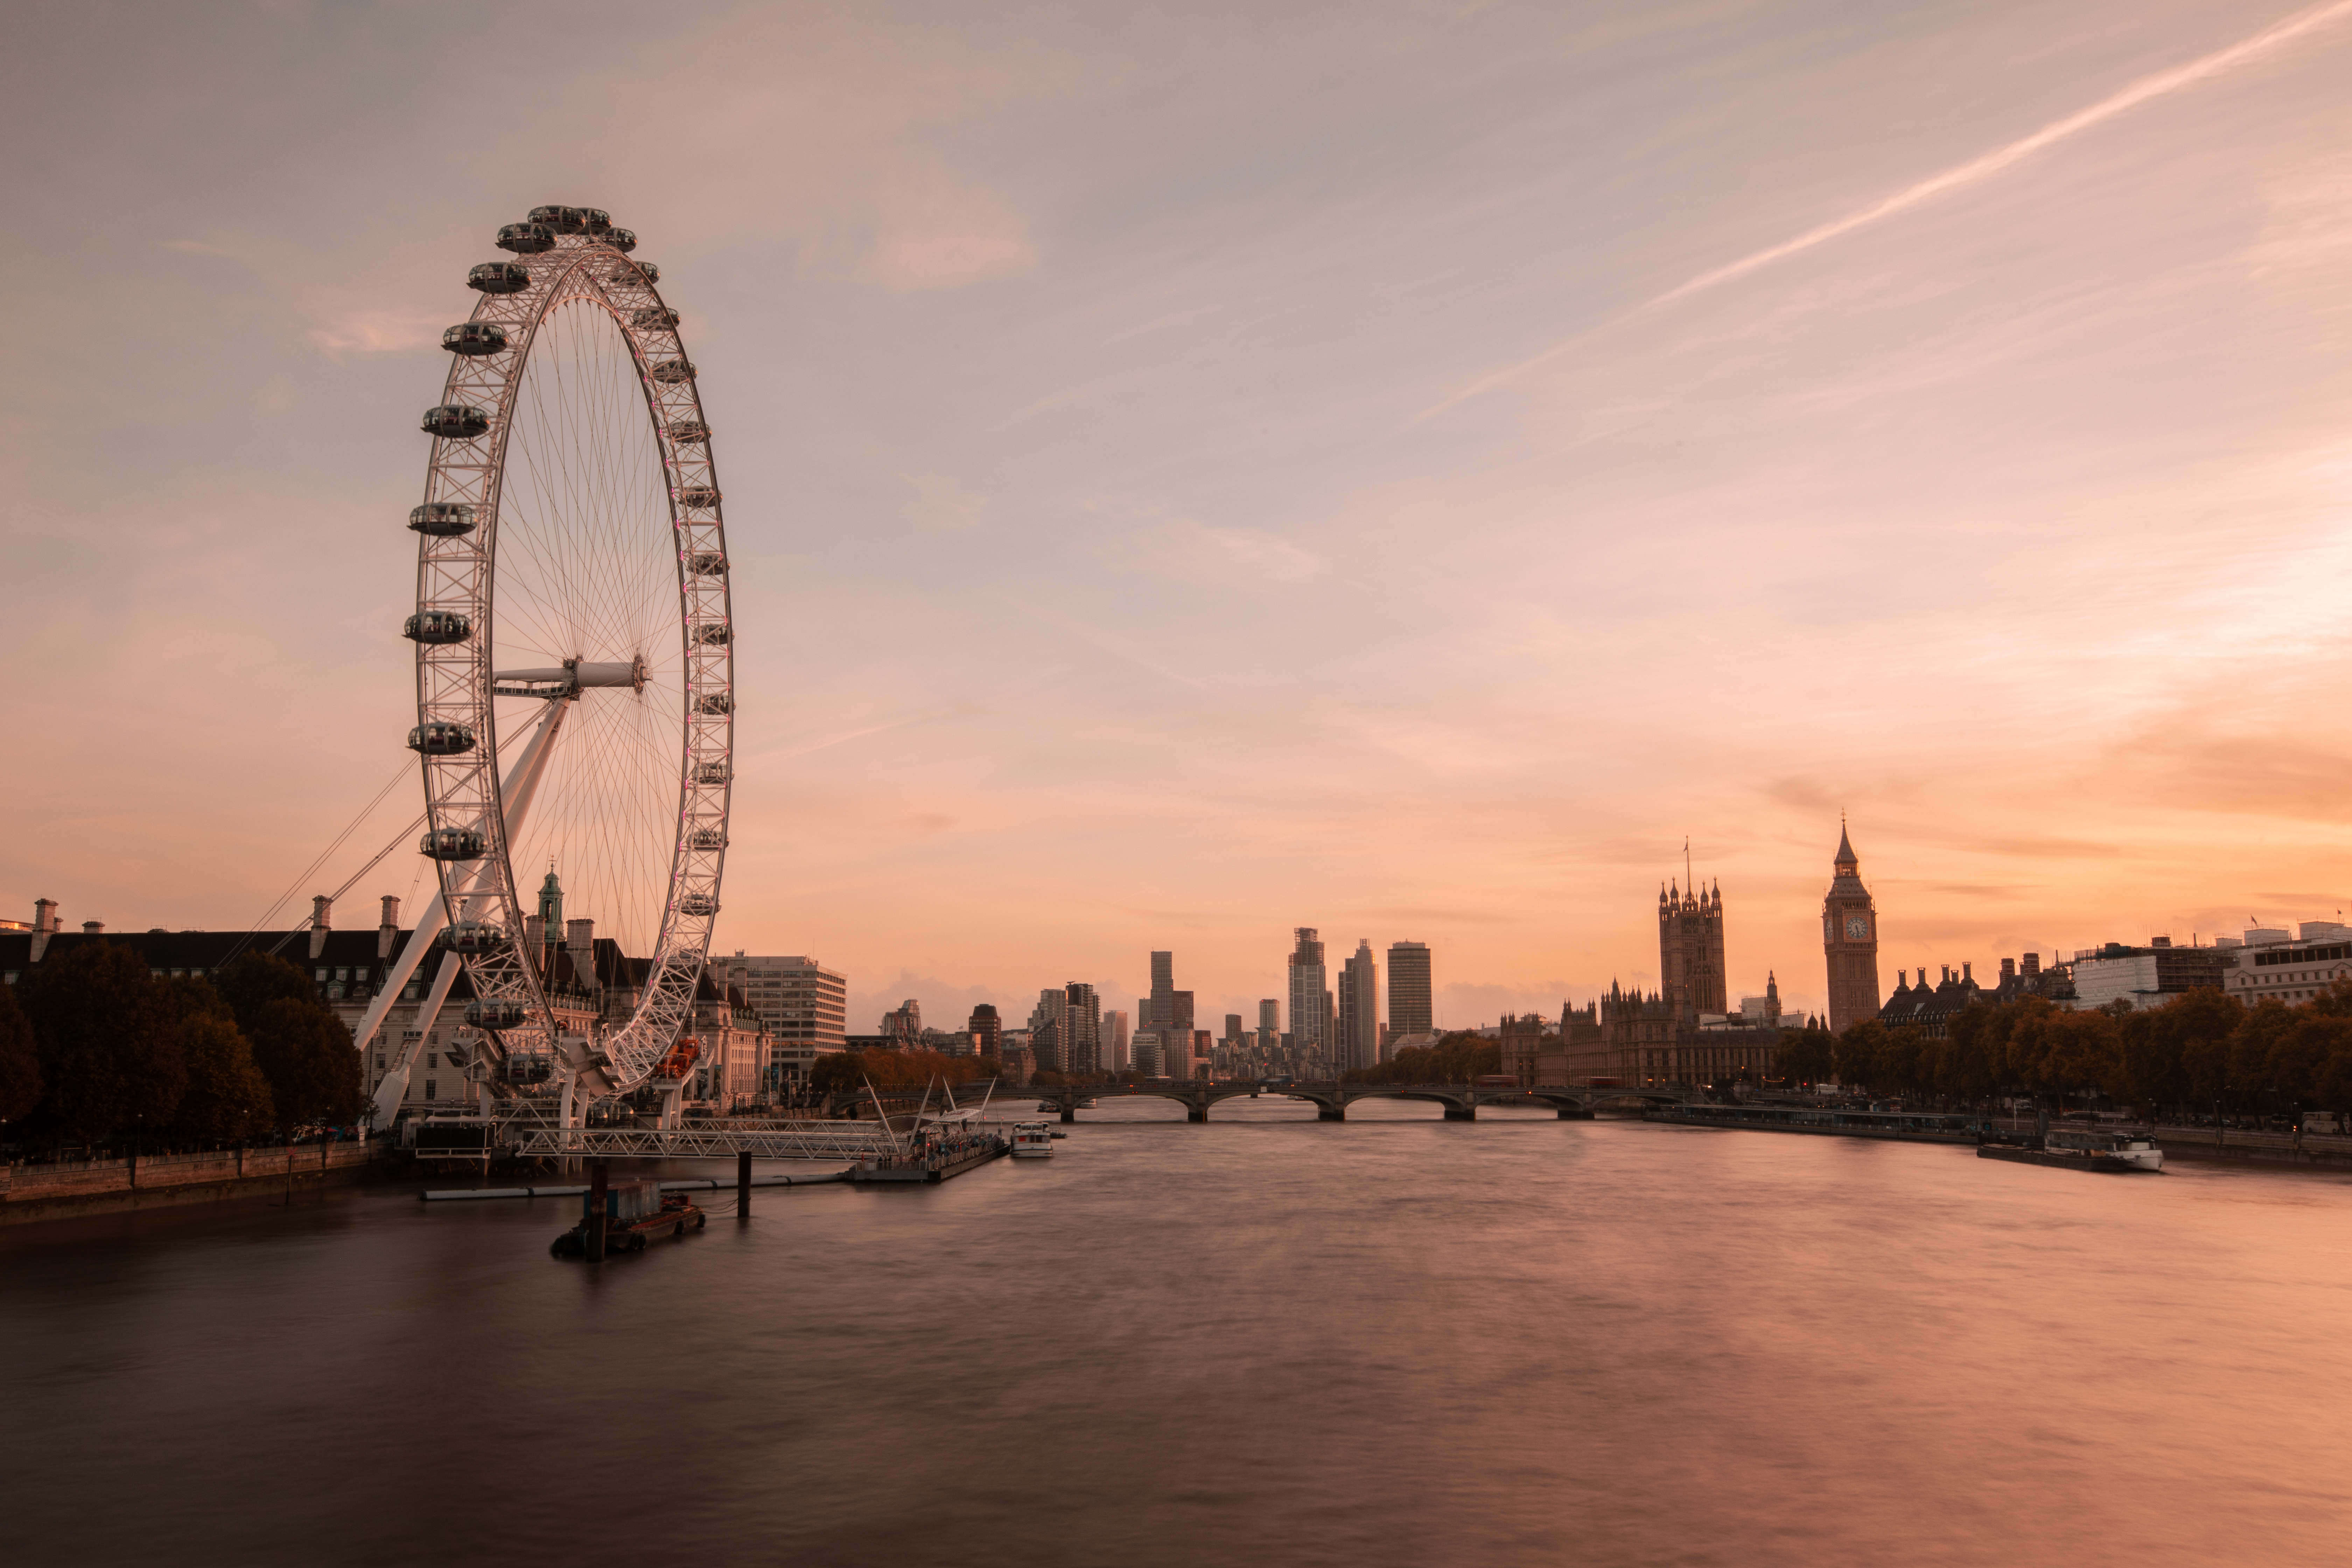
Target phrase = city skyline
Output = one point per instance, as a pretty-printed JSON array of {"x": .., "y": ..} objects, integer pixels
[{"x": 1481, "y": 451}]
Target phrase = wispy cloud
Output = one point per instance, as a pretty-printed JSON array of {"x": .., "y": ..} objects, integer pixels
[
  {"x": 949, "y": 241},
  {"x": 373, "y": 332}
]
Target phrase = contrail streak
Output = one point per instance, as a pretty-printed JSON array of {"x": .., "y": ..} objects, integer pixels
[
  {"x": 1977, "y": 169},
  {"x": 2148, "y": 87}
]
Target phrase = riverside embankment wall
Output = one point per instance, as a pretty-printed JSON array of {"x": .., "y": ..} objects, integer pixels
[{"x": 69, "y": 1189}]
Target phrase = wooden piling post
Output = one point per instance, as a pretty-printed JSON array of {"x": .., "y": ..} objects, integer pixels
[
  {"x": 597, "y": 1202},
  {"x": 742, "y": 1183}
]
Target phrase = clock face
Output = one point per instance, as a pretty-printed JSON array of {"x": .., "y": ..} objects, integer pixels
[{"x": 1857, "y": 928}]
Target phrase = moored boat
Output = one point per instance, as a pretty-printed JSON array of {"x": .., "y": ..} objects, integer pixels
[
  {"x": 635, "y": 1213},
  {"x": 1032, "y": 1141},
  {"x": 2114, "y": 1152}
]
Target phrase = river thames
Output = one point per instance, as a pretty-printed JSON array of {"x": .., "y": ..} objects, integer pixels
[{"x": 1264, "y": 1340}]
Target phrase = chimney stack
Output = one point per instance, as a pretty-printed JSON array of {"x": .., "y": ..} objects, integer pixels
[
  {"x": 44, "y": 925},
  {"x": 92, "y": 928},
  {"x": 388, "y": 933},
  {"x": 322, "y": 911},
  {"x": 2033, "y": 963}
]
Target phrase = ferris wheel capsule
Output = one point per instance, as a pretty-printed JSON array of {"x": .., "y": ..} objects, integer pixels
[
  {"x": 671, "y": 371},
  {"x": 455, "y": 421},
  {"x": 442, "y": 519},
  {"x": 526, "y": 239},
  {"x": 473, "y": 936},
  {"x": 698, "y": 906},
  {"x": 474, "y": 338},
  {"x": 656, "y": 317},
  {"x": 441, "y": 740},
  {"x": 437, "y": 627},
  {"x": 451, "y": 843},
  {"x": 620, "y": 240},
  {"x": 561, "y": 220},
  {"x": 713, "y": 634},
  {"x": 707, "y": 563},
  {"x": 498, "y": 278},
  {"x": 500, "y": 1015}
]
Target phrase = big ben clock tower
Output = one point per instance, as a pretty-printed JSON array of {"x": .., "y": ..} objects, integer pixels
[{"x": 1850, "y": 940}]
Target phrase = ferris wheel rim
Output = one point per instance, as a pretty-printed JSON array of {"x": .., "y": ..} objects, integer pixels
[{"x": 458, "y": 681}]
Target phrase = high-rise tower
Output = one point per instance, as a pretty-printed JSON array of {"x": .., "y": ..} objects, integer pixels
[
  {"x": 1690, "y": 949},
  {"x": 1359, "y": 1010},
  {"x": 1310, "y": 995},
  {"x": 1410, "y": 1012},
  {"x": 1850, "y": 940}
]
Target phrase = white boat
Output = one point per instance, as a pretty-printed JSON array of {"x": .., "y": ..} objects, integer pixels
[
  {"x": 1032, "y": 1141},
  {"x": 2136, "y": 1150}
]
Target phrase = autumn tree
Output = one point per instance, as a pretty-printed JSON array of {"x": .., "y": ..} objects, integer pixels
[
  {"x": 107, "y": 1042},
  {"x": 1805, "y": 1056},
  {"x": 228, "y": 1096},
  {"x": 20, "y": 1064},
  {"x": 305, "y": 1053},
  {"x": 1456, "y": 1058}
]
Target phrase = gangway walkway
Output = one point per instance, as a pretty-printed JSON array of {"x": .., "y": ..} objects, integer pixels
[{"x": 761, "y": 1140}]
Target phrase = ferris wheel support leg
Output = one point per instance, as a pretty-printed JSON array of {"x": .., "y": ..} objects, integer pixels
[
  {"x": 563, "y": 1120},
  {"x": 396, "y": 978},
  {"x": 395, "y": 1087},
  {"x": 671, "y": 1098},
  {"x": 520, "y": 785}
]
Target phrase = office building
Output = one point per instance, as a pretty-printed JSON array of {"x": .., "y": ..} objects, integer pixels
[
  {"x": 1049, "y": 1030},
  {"x": 804, "y": 1005},
  {"x": 1115, "y": 1041},
  {"x": 1083, "y": 1018},
  {"x": 987, "y": 1030},
  {"x": 1410, "y": 1008},
  {"x": 1359, "y": 1010},
  {"x": 1310, "y": 995},
  {"x": 2270, "y": 964}
]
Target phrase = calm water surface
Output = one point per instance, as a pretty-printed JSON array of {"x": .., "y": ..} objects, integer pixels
[{"x": 1264, "y": 1340}]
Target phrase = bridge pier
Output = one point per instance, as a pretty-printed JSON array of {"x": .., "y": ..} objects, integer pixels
[
  {"x": 1069, "y": 1112},
  {"x": 1571, "y": 1113},
  {"x": 1330, "y": 1113},
  {"x": 1461, "y": 1114},
  {"x": 1196, "y": 1113}
]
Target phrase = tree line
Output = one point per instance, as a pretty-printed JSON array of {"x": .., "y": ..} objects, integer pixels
[
  {"x": 94, "y": 1049},
  {"x": 1456, "y": 1058},
  {"x": 2200, "y": 1050},
  {"x": 838, "y": 1072}
]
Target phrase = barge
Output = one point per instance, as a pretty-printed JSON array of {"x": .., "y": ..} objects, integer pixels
[
  {"x": 635, "y": 1213},
  {"x": 1904, "y": 1126},
  {"x": 931, "y": 1159},
  {"x": 2114, "y": 1154}
]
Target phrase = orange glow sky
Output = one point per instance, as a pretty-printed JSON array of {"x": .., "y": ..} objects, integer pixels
[{"x": 1195, "y": 470}]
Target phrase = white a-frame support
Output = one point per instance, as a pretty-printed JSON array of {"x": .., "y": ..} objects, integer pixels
[{"x": 520, "y": 785}]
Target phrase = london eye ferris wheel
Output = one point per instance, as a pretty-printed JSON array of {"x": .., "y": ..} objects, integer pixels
[{"x": 574, "y": 637}]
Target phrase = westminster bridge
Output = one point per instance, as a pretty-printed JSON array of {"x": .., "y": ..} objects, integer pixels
[{"x": 1461, "y": 1100}]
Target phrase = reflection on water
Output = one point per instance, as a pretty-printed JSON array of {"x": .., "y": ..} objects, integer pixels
[{"x": 1264, "y": 1340}]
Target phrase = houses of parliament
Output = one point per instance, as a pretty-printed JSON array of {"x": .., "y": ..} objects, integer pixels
[{"x": 1686, "y": 1031}]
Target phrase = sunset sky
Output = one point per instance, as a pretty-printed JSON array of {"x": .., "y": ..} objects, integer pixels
[{"x": 1194, "y": 470}]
